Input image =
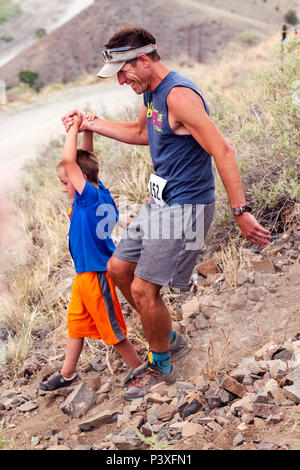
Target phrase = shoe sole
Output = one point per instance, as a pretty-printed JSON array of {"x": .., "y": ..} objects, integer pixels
[
  {"x": 174, "y": 357},
  {"x": 182, "y": 353},
  {"x": 168, "y": 381}
]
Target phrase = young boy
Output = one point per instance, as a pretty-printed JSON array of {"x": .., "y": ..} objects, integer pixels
[{"x": 94, "y": 309}]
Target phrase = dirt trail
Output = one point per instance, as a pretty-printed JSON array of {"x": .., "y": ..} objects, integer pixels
[{"x": 24, "y": 130}]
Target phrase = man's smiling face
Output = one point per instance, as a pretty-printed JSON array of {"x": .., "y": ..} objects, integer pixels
[{"x": 135, "y": 76}]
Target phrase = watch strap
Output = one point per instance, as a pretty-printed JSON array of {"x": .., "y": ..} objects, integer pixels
[{"x": 239, "y": 210}]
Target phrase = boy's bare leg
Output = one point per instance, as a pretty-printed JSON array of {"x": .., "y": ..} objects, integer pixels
[
  {"x": 74, "y": 348},
  {"x": 126, "y": 349}
]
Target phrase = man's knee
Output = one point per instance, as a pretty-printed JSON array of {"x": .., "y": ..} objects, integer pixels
[
  {"x": 113, "y": 268},
  {"x": 119, "y": 270},
  {"x": 137, "y": 291},
  {"x": 110, "y": 268}
]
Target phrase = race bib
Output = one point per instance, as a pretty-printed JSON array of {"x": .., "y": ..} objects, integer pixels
[{"x": 156, "y": 186}]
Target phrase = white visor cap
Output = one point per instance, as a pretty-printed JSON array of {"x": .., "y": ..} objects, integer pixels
[{"x": 115, "y": 59}]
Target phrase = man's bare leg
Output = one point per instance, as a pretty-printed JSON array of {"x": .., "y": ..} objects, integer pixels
[
  {"x": 146, "y": 300},
  {"x": 155, "y": 317},
  {"x": 122, "y": 274}
]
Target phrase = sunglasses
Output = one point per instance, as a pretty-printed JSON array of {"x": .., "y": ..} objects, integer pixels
[
  {"x": 107, "y": 53},
  {"x": 126, "y": 53}
]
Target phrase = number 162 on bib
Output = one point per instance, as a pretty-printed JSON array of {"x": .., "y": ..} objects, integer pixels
[{"x": 156, "y": 186}]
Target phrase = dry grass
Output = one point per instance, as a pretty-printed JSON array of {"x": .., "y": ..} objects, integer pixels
[
  {"x": 276, "y": 333},
  {"x": 216, "y": 364},
  {"x": 232, "y": 258},
  {"x": 37, "y": 266},
  {"x": 133, "y": 184},
  {"x": 250, "y": 97},
  {"x": 38, "y": 272},
  {"x": 227, "y": 76}
]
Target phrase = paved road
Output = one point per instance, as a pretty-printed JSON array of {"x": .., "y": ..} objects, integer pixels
[{"x": 24, "y": 130}]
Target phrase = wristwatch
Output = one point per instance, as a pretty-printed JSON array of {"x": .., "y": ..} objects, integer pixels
[{"x": 239, "y": 210}]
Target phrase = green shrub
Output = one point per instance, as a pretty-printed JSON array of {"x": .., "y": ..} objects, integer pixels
[
  {"x": 40, "y": 33},
  {"x": 9, "y": 11},
  {"x": 5, "y": 444},
  {"x": 291, "y": 17},
  {"x": 249, "y": 38},
  {"x": 6, "y": 38},
  {"x": 265, "y": 141},
  {"x": 29, "y": 77}
]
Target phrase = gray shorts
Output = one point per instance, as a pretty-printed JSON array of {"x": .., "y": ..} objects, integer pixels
[{"x": 165, "y": 242}]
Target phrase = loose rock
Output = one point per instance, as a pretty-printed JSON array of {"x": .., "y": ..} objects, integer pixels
[
  {"x": 238, "y": 440},
  {"x": 105, "y": 417},
  {"x": 79, "y": 401},
  {"x": 233, "y": 386},
  {"x": 166, "y": 412}
]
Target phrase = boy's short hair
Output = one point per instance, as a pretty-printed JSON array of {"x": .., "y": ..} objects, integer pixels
[{"x": 88, "y": 164}]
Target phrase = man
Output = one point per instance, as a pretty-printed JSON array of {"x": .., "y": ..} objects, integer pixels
[{"x": 174, "y": 122}]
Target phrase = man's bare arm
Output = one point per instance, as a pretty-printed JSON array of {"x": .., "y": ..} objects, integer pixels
[
  {"x": 87, "y": 141},
  {"x": 188, "y": 110},
  {"x": 127, "y": 132}
]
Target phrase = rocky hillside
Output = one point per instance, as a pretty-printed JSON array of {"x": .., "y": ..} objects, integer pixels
[
  {"x": 192, "y": 29},
  {"x": 240, "y": 391}
]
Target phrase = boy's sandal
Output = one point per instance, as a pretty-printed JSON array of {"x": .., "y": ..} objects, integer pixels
[{"x": 57, "y": 381}]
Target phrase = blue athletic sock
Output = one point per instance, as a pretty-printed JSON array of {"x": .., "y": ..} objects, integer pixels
[
  {"x": 172, "y": 336},
  {"x": 161, "y": 360}
]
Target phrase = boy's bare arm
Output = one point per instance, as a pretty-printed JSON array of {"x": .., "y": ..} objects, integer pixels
[{"x": 72, "y": 169}]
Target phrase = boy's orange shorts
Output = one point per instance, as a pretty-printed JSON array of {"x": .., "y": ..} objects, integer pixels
[{"x": 94, "y": 309}]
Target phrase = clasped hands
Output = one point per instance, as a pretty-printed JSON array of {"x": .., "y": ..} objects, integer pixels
[{"x": 86, "y": 120}]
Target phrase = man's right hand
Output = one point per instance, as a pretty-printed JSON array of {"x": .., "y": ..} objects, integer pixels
[
  {"x": 252, "y": 230},
  {"x": 86, "y": 119}
]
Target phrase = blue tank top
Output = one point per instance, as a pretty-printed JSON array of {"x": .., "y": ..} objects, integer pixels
[{"x": 177, "y": 158}]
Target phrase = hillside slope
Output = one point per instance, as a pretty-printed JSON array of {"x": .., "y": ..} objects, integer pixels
[
  {"x": 268, "y": 11},
  {"x": 191, "y": 29},
  {"x": 19, "y": 33}
]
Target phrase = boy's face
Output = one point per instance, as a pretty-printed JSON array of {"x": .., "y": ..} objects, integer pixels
[{"x": 67, "y": 186}]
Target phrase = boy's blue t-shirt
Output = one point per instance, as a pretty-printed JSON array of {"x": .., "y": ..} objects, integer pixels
[{"x": 93, "y": 217}]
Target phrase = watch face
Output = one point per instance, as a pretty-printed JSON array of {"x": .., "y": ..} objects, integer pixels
[{"x": 236, "y": 211}]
